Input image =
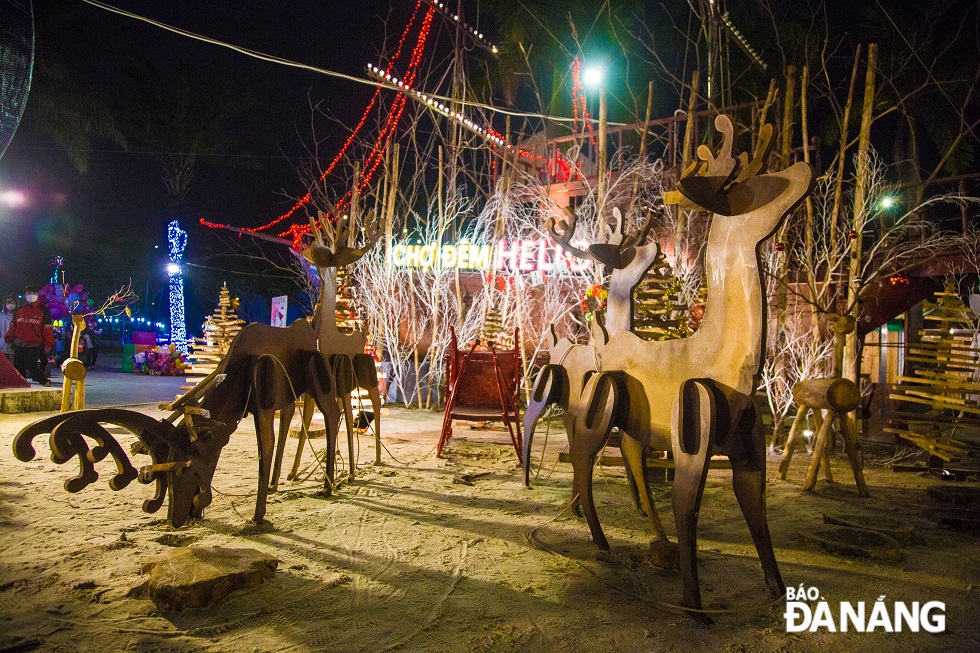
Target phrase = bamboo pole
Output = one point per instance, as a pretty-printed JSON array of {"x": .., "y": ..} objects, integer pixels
[
  {"x": 643, "y": 143},
  {"x": 686, "y": 160},
  {"x": 603, "y": 123},
  {"x": 786, "y": 131},
  {"x": 842, "y": 153},
  {"x": 808, "y": 205},
  {"x": 860, "y": 194}
]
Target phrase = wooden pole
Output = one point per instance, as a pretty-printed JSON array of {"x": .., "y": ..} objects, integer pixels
[
  {"x": 643, "y": 143},
  {"x": 786, "y": 131},
  {"x": 808, "y": 206},
  {"x": 686, "y": 161},
  {"x": 860, "y": 195},
  {"x": 392, "y": 196},
  {"x": 601, "y": 191},
  {"x": 842, "y": 153}
]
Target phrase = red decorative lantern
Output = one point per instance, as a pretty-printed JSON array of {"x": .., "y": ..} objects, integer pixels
[
  {"x": 780, "y": 247},
  {"x": 852, "y": 234}
]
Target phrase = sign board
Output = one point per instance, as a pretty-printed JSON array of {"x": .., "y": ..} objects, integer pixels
[
  {"x": 516, "y": 255},
  {"x": 278, "y": 311}
]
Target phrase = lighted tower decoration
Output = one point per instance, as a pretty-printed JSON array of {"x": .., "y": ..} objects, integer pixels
[{"x": 176, "y": 241}]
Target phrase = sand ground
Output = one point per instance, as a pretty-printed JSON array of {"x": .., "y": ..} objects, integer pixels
[{"x": 405, "y": 558}]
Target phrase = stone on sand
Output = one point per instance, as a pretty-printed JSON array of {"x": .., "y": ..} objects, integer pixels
[{"x": 195, "y": 577}]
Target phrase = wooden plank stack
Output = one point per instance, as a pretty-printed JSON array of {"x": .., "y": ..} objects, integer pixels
[
  {"x": 220, "y": 328},
  {"x": 945, "y": 367}
]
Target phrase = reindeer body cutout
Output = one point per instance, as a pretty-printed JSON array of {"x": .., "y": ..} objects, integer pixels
[{"x": 694, "y": 396}]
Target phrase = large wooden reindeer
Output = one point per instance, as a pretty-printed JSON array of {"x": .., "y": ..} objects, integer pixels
[
  {"x": 265, "y": 371},
  {"x": 693, "y": 396}
]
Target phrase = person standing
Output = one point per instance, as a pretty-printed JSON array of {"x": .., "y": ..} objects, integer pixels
[
  {"x": 31, "y": 332},
  {"x": 6, "y": 317},
  {"x": 91, "y": 349}
]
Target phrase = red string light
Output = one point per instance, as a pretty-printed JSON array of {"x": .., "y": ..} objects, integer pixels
[{"x": 295, "y": 230}]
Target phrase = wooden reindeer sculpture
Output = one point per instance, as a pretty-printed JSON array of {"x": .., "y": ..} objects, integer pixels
[
  {"x": 265, "y": 370},
  {"x": 694, "y": 396},
  {"x": 352, "y": 368},
  {"x": 73, "y": 392}
]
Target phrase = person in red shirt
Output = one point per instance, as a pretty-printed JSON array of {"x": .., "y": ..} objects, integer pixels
[{"x": 32, "y": 335}]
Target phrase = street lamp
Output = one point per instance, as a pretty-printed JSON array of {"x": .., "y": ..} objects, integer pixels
[{"x": 594, "y": 77}]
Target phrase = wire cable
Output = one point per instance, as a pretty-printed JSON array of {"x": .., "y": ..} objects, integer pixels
[{"x": 315, "y": 69}]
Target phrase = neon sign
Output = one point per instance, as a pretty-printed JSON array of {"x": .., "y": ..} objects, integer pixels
[{"x": 515, "y": 255}]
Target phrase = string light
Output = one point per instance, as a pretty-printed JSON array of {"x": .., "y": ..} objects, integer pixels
[
  {"x": 298, "y": 231},
  {"x": 176, "y": 242},
  {"x": 562, "y": 167},
  {"x": 470, "y": 31}
]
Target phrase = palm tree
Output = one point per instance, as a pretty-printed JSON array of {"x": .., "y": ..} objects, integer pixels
[{"x": 181, "y": 118}]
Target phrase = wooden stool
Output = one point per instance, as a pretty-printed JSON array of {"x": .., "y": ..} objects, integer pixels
[{"x": 827, "y": 398}]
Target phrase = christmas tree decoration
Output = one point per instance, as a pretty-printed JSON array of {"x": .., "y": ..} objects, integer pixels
[
  {"x": 219, "y": 329},
  {"x": 658, "y": 313},
  {"x": 347, "y": 316},
  {"x": 944, "y": 368}
]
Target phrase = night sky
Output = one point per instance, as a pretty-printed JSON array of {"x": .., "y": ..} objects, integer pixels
[
  {"x": 107, "y": 221},
  {"x": 109, "y": 224}
]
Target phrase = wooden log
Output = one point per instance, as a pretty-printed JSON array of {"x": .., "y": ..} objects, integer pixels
[
  {"x": 819, "y": 448},
  {"x": 839, "y": 395},
  {"x": 794, "y": 434}
]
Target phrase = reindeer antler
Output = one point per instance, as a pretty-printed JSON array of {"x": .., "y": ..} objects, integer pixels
[
  {"x": 760, "y": 159},
  {"x": 707, "y": 185},
  {"x": 563, "y": 230},
  {"x": 66, "y": 442},
  {"x": 617, "y": 251},
  {"x": 342, "y": 253}
]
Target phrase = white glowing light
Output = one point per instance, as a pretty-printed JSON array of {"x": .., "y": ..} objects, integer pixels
[
  {"x": 13, "y": 198},
  {"x": 592, "y": 76}
]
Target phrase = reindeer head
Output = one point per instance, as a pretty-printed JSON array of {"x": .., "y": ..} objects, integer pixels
[
  {"x": 340, "y": 253},
  {"x": 615, "y": 250},
  {"x": 740, "y": 187},
  {"x": 629, "y": 258}
]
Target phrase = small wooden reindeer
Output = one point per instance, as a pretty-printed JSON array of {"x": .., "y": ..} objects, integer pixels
[
  {"x": 694, "y": 396},
  {"x": 73, "y": 390},
  {"x": 353, "y": 369}
]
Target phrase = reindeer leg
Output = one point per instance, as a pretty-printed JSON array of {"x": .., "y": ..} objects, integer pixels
[
  {"x": 375, "y": 394},
  {"x": 324, "y": 391},
  {"x": 548, "y": 389},
  {"x": 366, "y": 378},
  {"x": 308, "y": 406},
  {"x": 265, "y": 437},
  {"x": 692, "y": 440},
  {"x": 343, "y": 369},
  {"x": 285, "y": 417},
  {"x": 266, "y": 386},
  {"x": 349, "y": 421},
  {"x": 663, "y": 551},
  {"x": 749, "y": 483},
  {"x": 593, "y": 431}
]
